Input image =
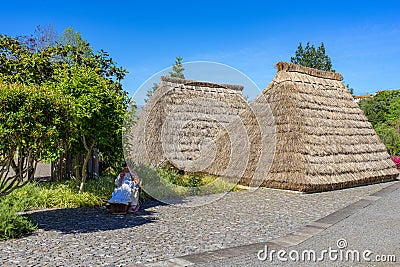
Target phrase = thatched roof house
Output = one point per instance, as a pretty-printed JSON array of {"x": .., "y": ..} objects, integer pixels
[
  {"x": 180, "y": 118},
  {"x": 322, "y": 139}
]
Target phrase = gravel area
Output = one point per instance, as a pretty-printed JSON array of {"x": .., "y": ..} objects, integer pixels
[{"x": 95, "y": 237}]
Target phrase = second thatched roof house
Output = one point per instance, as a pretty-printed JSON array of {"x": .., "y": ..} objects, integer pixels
[{"x": 322, "y": 139}]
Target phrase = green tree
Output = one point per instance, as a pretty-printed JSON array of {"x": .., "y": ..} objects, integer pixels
[
  {"x": 379, "y": 108},
  {"x": 81, "y": 75},
  {"x": 34, "y": 122},
  {"x": 383, "y": 111},
  {"x": 177, "y": 72},
  {"x": 98, "y": 110},
  {"x": 351, "y": 89},
  {"x": 72, "y": 38},
  {"x": 150, "y": 92},
  {"x": 312, "y": 57},
  {"x": 19, "y": 64},
  {"x": 177, "y": 69},
  {"x": 77, "y": 53}
]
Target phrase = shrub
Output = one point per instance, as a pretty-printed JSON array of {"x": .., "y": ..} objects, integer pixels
[
  {"x": 13, "y": 225},
  {"x": 61, "y": 194},
  {"x": 35, "y": 124},
  {"x": 167, "y": 183}
]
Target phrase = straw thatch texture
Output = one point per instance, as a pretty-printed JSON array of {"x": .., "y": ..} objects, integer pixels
[
  {"x": 323, "y": 139},
  {"x": 245, "y": 160},
  {"x": 305, "y": 133},
  {"x": 181, "y": 118}
]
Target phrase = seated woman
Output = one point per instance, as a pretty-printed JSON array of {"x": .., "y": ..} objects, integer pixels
[{"x": 127, "y": 190}]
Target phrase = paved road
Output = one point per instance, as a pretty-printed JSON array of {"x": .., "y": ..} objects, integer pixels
[
  {"x": 365, "y": 233},
  {"x": 43, "y": 170},
  {"x": 94, "y": 237}
]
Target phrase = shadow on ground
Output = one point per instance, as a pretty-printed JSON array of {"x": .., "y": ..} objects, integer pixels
[{"x": 87, "y": 220}]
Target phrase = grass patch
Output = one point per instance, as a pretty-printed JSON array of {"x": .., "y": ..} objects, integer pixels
[
  {"x": 64, "y": 194},
  {"x": 167, "y": 183}
]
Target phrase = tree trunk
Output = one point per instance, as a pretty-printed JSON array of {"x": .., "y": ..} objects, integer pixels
[
  {"x": 76, "y": 166},
  {"x": 84, "y": 166}
]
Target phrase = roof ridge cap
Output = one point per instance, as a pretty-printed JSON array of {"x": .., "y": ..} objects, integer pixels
[{"x": 290, "y": 67}]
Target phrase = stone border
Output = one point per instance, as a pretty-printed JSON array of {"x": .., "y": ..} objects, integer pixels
[{"x": 295, "y": 238}]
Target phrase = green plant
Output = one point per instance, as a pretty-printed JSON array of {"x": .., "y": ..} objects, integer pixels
[
  {"x": 311, "y": 57},
  {"x": 61, "y": 194},
  {"x": 13, "y": 225},
  {"x": 167, "y": 182},
  {"x": 383, "y": 111},
  {"x": 90, "y": 80},
  {"x": 34, "y": 124}
]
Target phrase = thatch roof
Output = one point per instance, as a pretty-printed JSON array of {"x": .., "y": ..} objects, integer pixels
[
  {"x": 180, "y": 118},
  {"x": 320, "y": 139}
]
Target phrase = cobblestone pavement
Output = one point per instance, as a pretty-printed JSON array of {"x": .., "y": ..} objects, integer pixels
[
  {"x": 95, "y": 237},
  {"x": 365, "y": 233}
]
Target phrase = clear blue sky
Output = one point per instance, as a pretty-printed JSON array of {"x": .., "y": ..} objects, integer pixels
[{"x": 361, "y": 37}]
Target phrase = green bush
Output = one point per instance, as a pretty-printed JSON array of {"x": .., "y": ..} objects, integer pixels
[
  {"x": 13, "y": 225},
  {"x": 383, "y": 111},
  {"x": 61, "y": 194},
  {"x": 35, "y": 123},
  {"x": 194, "y": 183}
]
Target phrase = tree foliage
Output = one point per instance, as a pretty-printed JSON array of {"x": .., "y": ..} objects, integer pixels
[
  {"x": 383, "y": 111},
  {"x": 19, "y": 64},
  {"x": 177, "y": 69},
  {"x": 34, "y": 123},
  {"x": 99, "y": 108},
  {"x": 150, "y": 92},
  {"x": 72, "y": 38},
  {"x": 312, "y": 57},
  {"x": 91, "y": 81},
  {"x": 177, "y": 72}
]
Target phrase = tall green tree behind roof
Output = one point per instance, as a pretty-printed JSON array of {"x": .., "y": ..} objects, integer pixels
[
  {"x": 177, "y": 69},
  {"x": 176, "y": 72},
  {"x": 312, "y": 57}
]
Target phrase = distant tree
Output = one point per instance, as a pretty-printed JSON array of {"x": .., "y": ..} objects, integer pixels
[
  {"x": 150, "y": 92},
  {"x": 351, "y": 89},
  {"x": 74, "y": 39},
  {"x": 381, "y": 107},
  {"x": 316, "y": 58},
  {"x": 312, "y": 57},
  {"x": 177, "y": 69},
  {"x": 177, "y": 72}
]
